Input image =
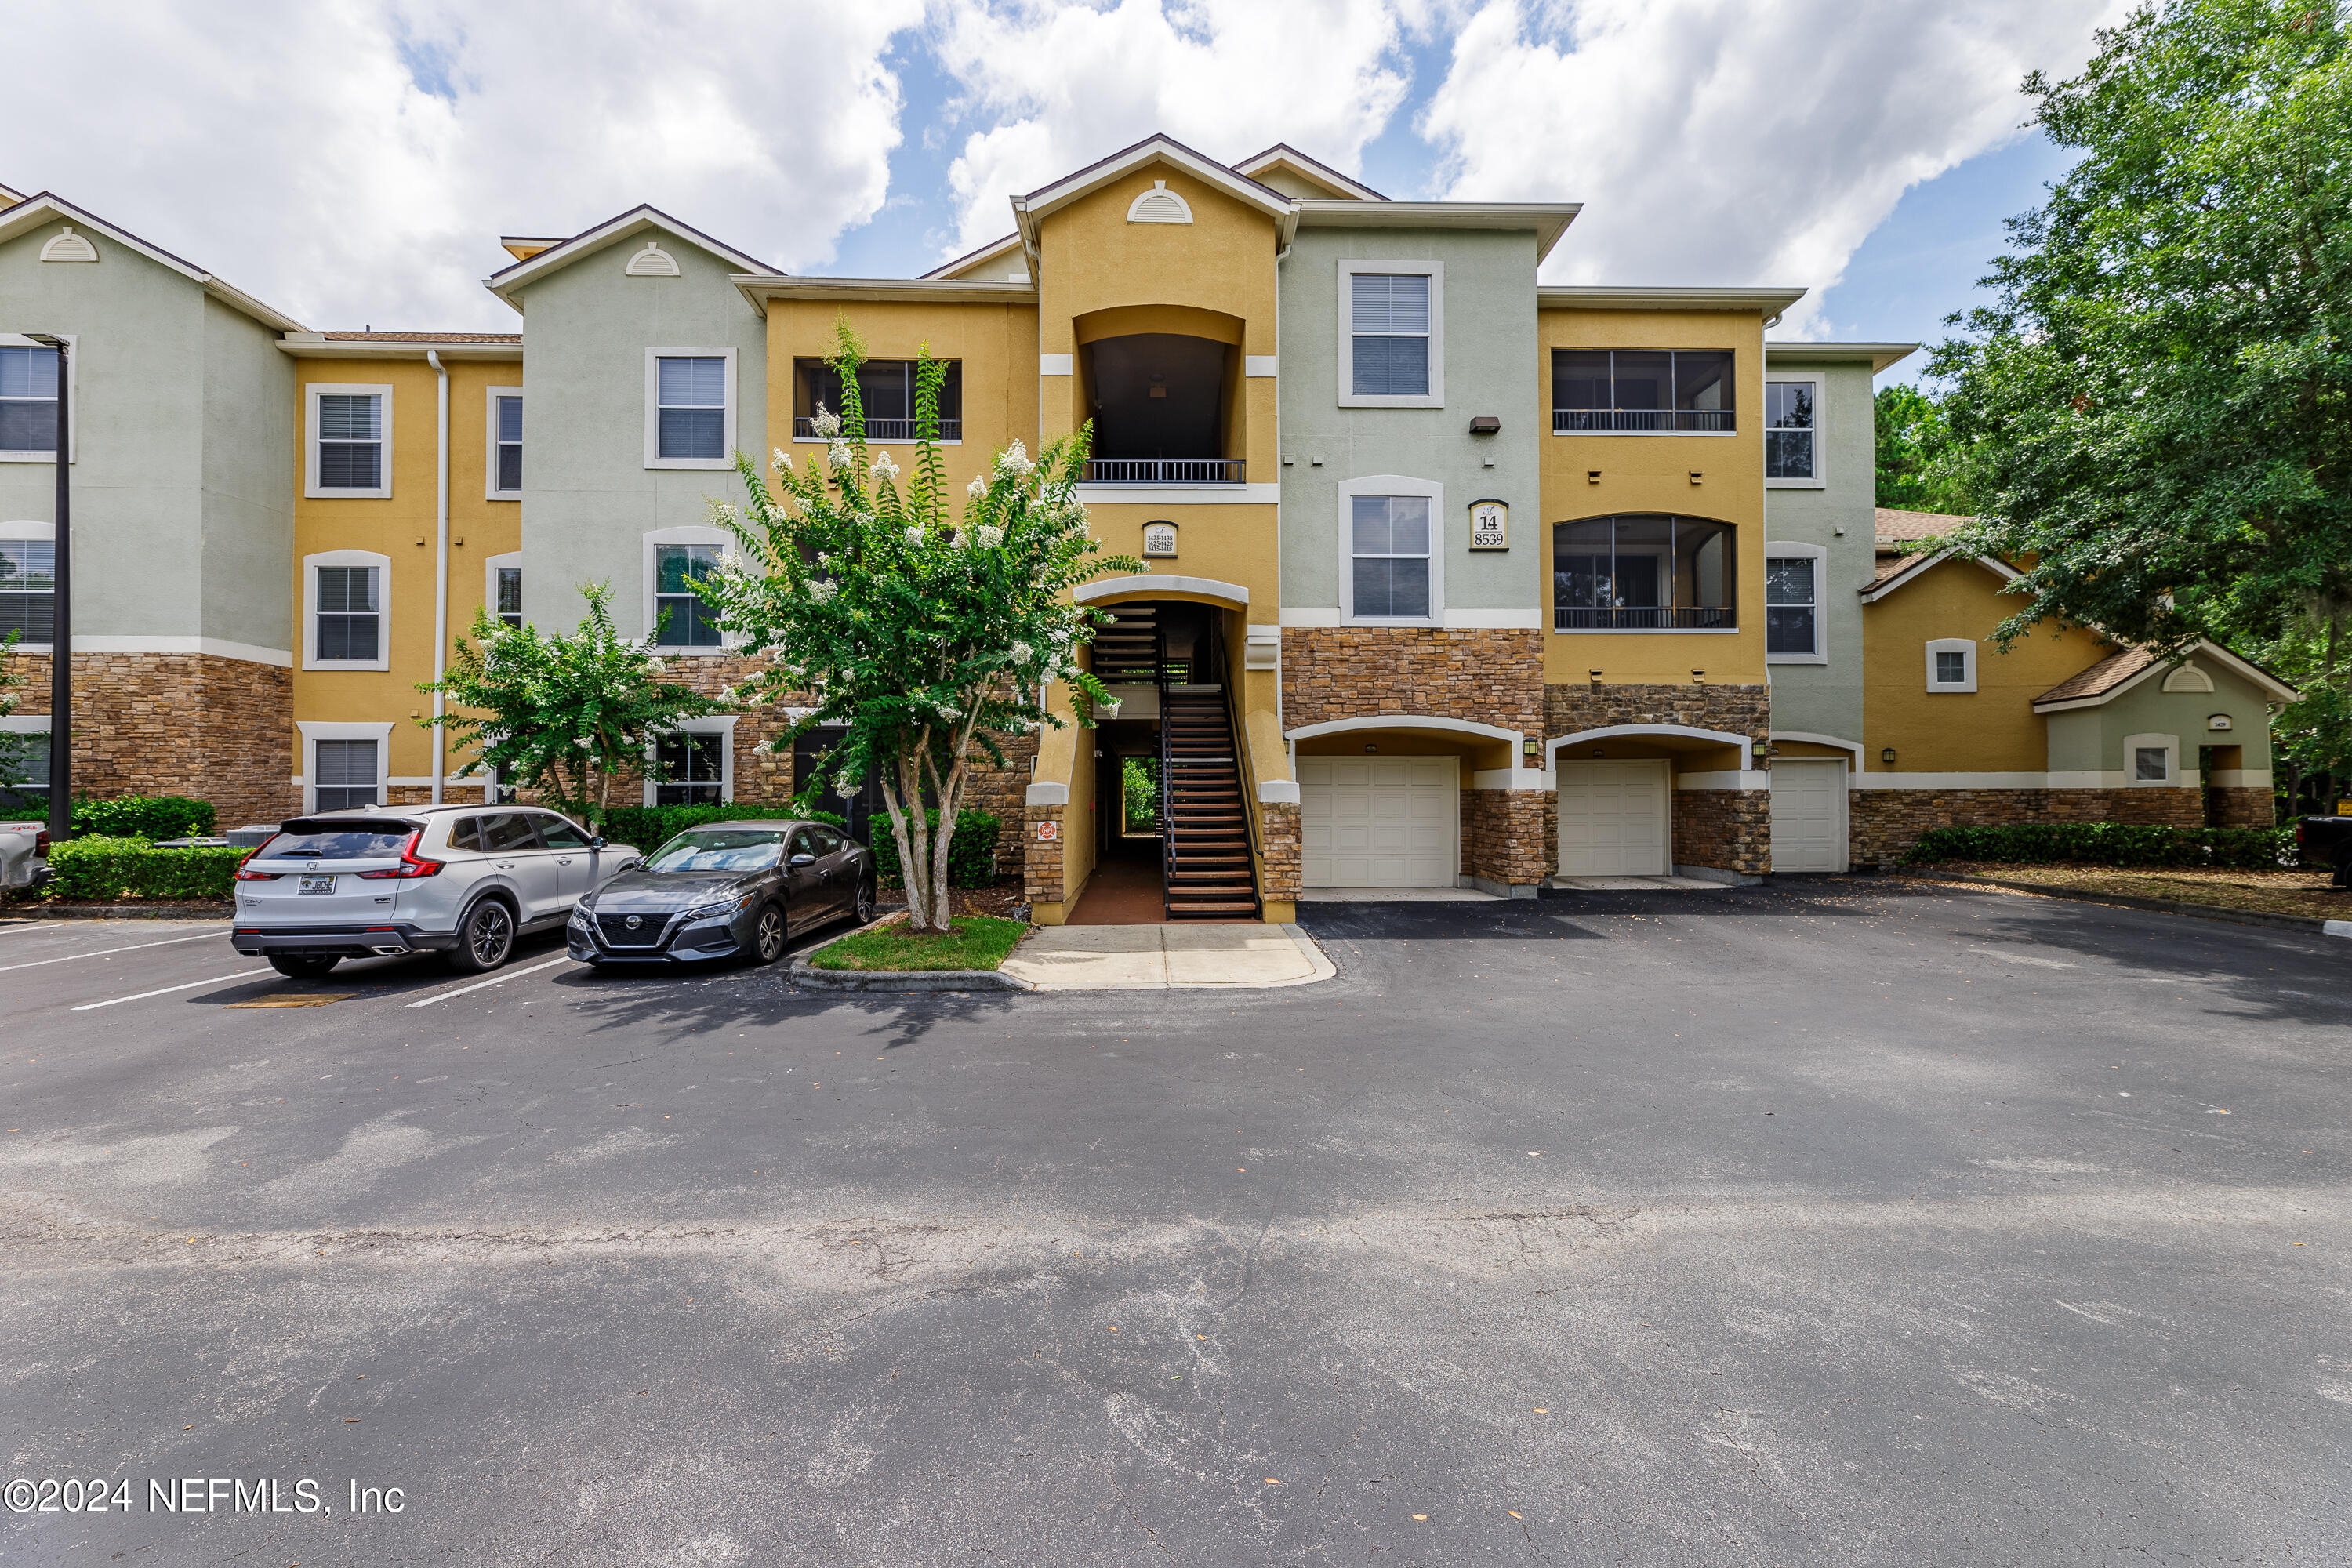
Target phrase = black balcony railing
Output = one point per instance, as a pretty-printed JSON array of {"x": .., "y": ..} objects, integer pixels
[
  {"x": 1645, "y": 618},
  {"x": 883, "y": 429},
  {"x": 1164, "y": 470},
  {"x": 1703, "y": 421}
]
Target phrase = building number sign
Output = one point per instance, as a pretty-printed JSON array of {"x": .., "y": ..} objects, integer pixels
[
  {"x": 1490, "y": 525},
  {"x": 1160, "y": 538}
]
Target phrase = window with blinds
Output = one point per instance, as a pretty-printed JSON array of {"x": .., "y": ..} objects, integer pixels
[
  {"x": 1389, "y": 334},
  {"x": 343, "y": 774},
  {"x": 691, "y": 400},
  {"x": 28, "y": 585},
  {"x": 690, "y": 768},
  {"x": 28, "y": 399},
  {"x": 510, "y": 595},
  {"x": 508, "y": 458},
  {"x": 1390, "y": 557},
  {"x": 349, "y": 629},
  {"x": 350, "y": 441},
  {"x": 686, "y": 619}
]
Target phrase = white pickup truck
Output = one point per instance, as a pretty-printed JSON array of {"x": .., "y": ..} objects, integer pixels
[{"x": 24, "y": 854}]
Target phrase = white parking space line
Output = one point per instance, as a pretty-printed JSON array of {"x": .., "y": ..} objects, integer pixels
[
  {"x": 493, "y": 980},
  {"x": 102, "y": 952},
  {"x": 30, "y": 925},
  {"x": 166, "y": 991}
]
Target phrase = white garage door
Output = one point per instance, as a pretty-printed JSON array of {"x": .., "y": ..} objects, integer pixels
[
  {"x": 1807, "y": 814},
  {"x": 1379, "y": 822},
  {"x": 1613, "y": 818}
]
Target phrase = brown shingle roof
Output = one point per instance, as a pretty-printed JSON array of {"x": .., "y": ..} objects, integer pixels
[
  {"x": 2104, "y": 676},
  {"x": 1893, "y": 523},
  {"x": 422, "y": 337}
]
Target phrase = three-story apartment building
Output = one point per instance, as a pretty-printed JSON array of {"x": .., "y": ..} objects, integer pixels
[{"x": 1453, "y": 578}]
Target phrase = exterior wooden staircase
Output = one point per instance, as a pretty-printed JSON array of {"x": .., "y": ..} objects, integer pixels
[{"x": 1210, "y": 875}]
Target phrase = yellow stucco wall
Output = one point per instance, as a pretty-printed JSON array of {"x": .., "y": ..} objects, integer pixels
[
  {"x": 1644, "y": 473},
  {"x": 996, "y": 344},
  {"x": 404, "y": 527},
  {"x": 1991, "y": 729}
]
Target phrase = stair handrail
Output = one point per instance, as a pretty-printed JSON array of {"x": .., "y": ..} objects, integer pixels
[
  {"x": 1167, "y": 774},
  {"x": 1244, "y": 776}
]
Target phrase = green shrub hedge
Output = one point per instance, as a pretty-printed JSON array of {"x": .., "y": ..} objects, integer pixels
[
  {"x": 2111, "y": 843},
  {"x": 103, "y": 869},
  {"x": 971, "y": 854},
  {"x": 149, "y": 816},
  {"x": 648, "y": 828}
]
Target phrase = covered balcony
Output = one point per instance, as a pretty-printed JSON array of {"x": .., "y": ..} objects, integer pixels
[{"x": 1165, "y": 409}]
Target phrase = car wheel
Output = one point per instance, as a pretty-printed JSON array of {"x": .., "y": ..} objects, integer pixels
[
  {"x": 769, "y": 933},
  {"x": 486, "y": 938},
  {"x": 302, "y": 967},
  {"x": 863, "y": 912}
]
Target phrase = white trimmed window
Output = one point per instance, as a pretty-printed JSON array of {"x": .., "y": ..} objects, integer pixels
[
  {"x": 502, "y": 443},
  {"x": 25, "y": 765},
  {"x": 1951, "y": 665},
  {"x": 28, "y": 401},
  {"x": 346, "y": 610},
  {"x": 1792, "y": 433},
  {"x": 502, "y": 587},
  {"x": 1793, "y": 575},
  {"x": 2151, "y": 760},
  {"x": 1392, "y": 552},
  {"x": 694, "y": 765},
  {"x": 28, "y": 584},
  {"x": 680, "y": 619},
  {"x": 1391, "y": 334},
  {"x": 689, "y": 408},
  {"x": 347, "y": 445},
  {"x": 344, "y": 765}
]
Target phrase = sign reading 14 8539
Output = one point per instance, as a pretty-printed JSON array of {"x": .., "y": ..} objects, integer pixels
[{"x": 1490, "y": 525}]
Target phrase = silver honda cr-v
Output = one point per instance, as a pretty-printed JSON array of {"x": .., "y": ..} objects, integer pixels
[{"x": 461, "y": 881}]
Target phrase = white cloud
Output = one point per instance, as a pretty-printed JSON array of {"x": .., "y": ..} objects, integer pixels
[
  {"x": 1731, "y": 142},
  {"x": 1060, "y": 87},
  {"x": 354, "y": 163}
]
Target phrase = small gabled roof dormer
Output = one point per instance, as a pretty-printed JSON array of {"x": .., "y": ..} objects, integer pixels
[
  {"x": 10, "y": 198},
  {"x": 998, "y": 260},
  {"x": 538, "y": 259},
  {"x": 1287, "y": 169}
]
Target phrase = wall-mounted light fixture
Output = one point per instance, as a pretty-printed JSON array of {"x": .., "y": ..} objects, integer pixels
[
  {"x": 1371, "y": 747},
  {"x": 1593, "y": 476},
  {"x": 1595, "y": 675},
  {"x": 1887, "y": 756},
  {"x": 1484, "y": 424},
  {"x": 1698, "y": 678},
  {"x": 1696, "y": 476},
  {"x": 1529, "y": 749}
]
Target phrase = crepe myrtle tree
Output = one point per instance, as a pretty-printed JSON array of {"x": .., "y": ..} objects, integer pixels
[
  {"x": 561, "y": 713},
  {"x": 925, "y": 636}
]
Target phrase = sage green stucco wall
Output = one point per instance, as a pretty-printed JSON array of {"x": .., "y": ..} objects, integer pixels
[
  {"x": 1490, "y": 334},
  {"x": 182, "y": 442},
  {"x": 2087, "y": 740},
  {"x": 588, "y": 497},
  {"x": 1826, "y": 698}
]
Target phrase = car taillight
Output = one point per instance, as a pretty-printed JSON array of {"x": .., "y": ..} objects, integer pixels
[
  {"x": 2302, "y": 832},
  {"x": 41, "y": 845},
  {"x": 244, "y": 876},
  {"x": 410, "y": 866}
]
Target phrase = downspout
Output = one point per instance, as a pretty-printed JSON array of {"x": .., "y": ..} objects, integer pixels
[{"x": 440, "y": 585}]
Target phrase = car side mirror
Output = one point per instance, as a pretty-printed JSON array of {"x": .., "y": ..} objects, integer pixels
[
  {"x": 800, "y": 860},
  {"x": 596, "y": 844}
]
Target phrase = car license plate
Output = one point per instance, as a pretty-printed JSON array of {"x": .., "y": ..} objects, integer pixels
[{"x": 325, "y": 884}]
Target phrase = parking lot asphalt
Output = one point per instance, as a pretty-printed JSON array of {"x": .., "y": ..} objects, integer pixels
[{"x": 1843, "y": 1223}]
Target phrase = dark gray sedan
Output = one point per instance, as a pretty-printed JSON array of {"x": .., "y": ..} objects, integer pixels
[{"x": 726, "y": 890}]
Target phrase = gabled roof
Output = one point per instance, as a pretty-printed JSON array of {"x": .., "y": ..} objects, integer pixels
[
  {"x": 1880, "y": 355},
  {"x": 523, "y": 246},
  {"x": 1153, "y": 148},
  {"x": 47, "y": 208},
  {"x": 2128, "y": 667},
  {"x": 1621, "y": 297},
  {"x": 989, "y": 252},
  {"x": 10, "y": 198},
  {"x": 507, "y": 280},
  {"x": 402, "y": 346},
  {"x": 1549, "y": 220},
  {"x": 1283, "y": 156}
]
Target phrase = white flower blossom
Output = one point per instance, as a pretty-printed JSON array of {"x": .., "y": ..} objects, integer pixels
[
  {"x": 843, "y": 784},
  {"x": 838, "y": 454},
  {"x": 977, "y": 489},
  {"x": 823, "y": 593},
  {"x": 583, "y": 743},
  {"x": 656, "y": 664},
  {"x": 827, "y": 424},
  {"x": 1023, "y": 653},
  {"x": 1014, "y": 460},
  {"x": 782, "y": 462},
  {"x": 990, "y": 536},
  {"x": 915, "y": 534},
  {"x": 884, "y": 467}
]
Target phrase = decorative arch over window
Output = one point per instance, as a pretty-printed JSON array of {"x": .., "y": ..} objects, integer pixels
[
  {"x": 1160, "y": 204},
  {"x": 1644, "y": 573},
  {"x": 68, "y": 246},
  {"x": 653, "y": 261},
  {"x": 2189, "y": 678}
]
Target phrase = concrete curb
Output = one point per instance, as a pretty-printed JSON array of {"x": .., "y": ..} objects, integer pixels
[
  {"x": 809, "y": 977},
  {"x": 119, "y": 912},
  {"x": 2308, "y": 924}
]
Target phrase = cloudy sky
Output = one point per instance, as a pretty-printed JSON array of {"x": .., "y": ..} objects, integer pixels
[{"x": 353, "y": 162}]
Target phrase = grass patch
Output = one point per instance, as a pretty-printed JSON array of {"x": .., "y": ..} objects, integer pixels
[
  {"x": 2304, "y": 893},
  {"x": 972, "y": 941}
]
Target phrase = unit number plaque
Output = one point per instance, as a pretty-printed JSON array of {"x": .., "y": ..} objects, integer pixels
[{"x": 1490, "y": 525}]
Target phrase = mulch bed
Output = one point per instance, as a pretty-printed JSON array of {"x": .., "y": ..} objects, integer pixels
[
  {"x": 999, "y": 901},
  {"x": 2306, "y": 895}
]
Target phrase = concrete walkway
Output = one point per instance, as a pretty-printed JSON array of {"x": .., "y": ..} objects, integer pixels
[
  {"x": 1160, "y": 957},
  {"x": 1636, "y": 884}
]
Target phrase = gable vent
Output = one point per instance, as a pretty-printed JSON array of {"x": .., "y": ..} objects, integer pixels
[
  {"x": 653, "y": 261},
  {"x": 1159, "y": 205},
  {"x": 69, "y": 247}
]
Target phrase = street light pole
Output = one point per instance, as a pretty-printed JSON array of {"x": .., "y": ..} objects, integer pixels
[{"x": 61, "y": 598}]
